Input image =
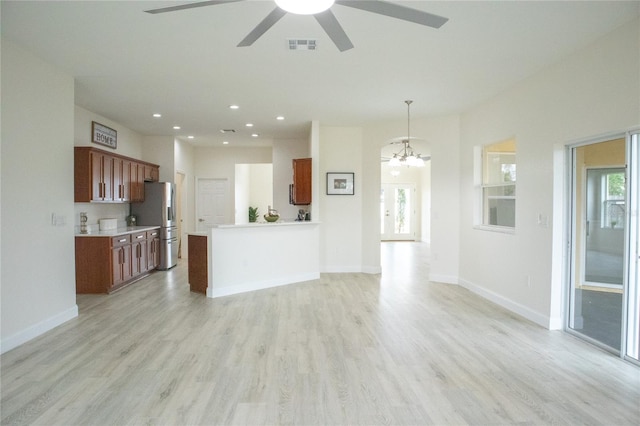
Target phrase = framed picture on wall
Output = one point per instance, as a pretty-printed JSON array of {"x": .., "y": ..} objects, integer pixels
[
  {"x": 104, "y": 135},
  {"x": 339, "y": 183}
]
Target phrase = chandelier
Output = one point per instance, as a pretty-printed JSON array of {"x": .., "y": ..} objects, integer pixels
[
  {"x": 304, "y": 7},
  {"x": 407, "y": 156}
]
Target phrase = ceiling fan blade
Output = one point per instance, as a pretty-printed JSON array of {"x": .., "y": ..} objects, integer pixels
[
  {"x": 262, "y": 27},
  {"x": 332, "y": 27},
  {"x": 190, "y": 6},
  {"x": 396, "y": 11}
]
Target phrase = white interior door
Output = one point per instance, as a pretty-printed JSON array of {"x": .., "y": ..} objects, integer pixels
[
  {"x": 397, "y": 210},
  {"x": 213, "y": 202}
]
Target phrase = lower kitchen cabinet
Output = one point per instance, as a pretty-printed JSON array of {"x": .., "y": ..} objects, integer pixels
[
  {"x": 105, "y": 264},
  {"x": 139, "y": 250},
  {"x": 153, "y": 247},
  {"x": 121, "y": 260}
]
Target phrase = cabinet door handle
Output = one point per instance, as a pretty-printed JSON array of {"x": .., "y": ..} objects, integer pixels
[
  {"x": 122, "y": 240},
  {"x": 139, "y": 236}
]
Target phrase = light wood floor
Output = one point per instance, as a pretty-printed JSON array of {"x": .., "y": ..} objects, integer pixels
[{"x": 346, "y": 349}]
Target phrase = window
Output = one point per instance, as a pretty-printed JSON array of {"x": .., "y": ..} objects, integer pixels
[
  {"x": 613, "y": 207},
  {"x": 498, "y": 184}
]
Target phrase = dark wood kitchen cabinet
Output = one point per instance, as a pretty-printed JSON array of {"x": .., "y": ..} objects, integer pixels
[
  {"x": 107, "y": 263},
  {"x": 121, "y": 179},
  {"x": 139, "y": 252},
  {"x": 153, "y": 247},
  {"x": 121, "y": 262},
  {"x": 137, "y": 182},
  {"x": 101, "y": 176},
  {"x": 301, "y": 188},
  {"x": 151, "y": 173}
]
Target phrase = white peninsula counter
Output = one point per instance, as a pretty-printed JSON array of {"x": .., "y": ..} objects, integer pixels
[{"x": 255, "y": 256}]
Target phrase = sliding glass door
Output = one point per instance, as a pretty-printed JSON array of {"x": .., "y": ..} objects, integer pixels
[
  {"x": 632, "y": 318},
  {"x": 603, "y": 285}
]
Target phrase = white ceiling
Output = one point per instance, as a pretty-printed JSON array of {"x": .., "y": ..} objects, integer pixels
[{"x": 129, "y": 64}]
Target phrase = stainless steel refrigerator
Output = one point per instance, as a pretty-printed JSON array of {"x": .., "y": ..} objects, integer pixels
[{"x": 159, "y": 209}]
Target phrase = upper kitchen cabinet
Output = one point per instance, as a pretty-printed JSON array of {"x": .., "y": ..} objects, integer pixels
[
  {"x": 122, "y": 179},
  {"x": 101, "y": 176},
  {"x": 151, "y": 173},
  {"x": 301, "y": 188}
]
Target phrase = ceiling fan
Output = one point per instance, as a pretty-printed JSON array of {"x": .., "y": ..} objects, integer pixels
[{"x": 323, "y": 15}]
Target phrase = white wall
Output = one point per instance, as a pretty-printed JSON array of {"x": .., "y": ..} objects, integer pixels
[
  {"x": 341, "y": 215},
  {"x": 592, "y": 92},
  {"x": 37, "y": 274},
  {"x": 253, "y": 188},
  {"x": 261, "y": 190},
  {"x": 184, "y": 163},
  {"x": 161, "y": 150},
  {"x": 129, "y": 142},
  {"x": 445, "y": 198},
  {"x": 241, "y": 193}
]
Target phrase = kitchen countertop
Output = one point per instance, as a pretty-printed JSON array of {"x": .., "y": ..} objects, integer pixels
[
  {"x": 267, "y": 224},
  {"x": 253, "y": 225},
  {"x": 118, "y": 231}
]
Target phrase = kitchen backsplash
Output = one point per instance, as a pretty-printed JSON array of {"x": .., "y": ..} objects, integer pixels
[{"x": 97, "y": 211}]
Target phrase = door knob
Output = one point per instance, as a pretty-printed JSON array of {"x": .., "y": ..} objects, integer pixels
[{"x": 200, "y": 220}]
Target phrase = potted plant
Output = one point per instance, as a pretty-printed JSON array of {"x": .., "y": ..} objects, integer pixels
[{"x": 253, "y": 214}]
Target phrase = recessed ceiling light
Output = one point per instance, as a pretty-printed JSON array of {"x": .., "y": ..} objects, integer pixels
[
  {"x": 156, "y": 115},
  {"x": 249, "y": 124},
  {"x": 225, "y": 142},
  {"x": 176, "y": 127},
  {"x": 280, "y": 118},
  {"x": 254, "y": 135},
  {"x": 234, "y": 107},
  {"x": 189, "y": 137}
]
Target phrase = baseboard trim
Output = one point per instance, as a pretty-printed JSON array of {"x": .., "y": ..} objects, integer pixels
[
  {"x": 343, "y": 269},
  {"x": 38, "y": 329},
  {"x": 260, "y": 285},
  {"x": 446, "y": 279},
  {"x": 517, "y": 308},
  {"x": 373, "y": 270}
]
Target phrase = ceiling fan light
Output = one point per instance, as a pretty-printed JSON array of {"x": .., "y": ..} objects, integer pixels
[
  {"x": 419, "y": 162},
  {"x": 304, "y": 7}
]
